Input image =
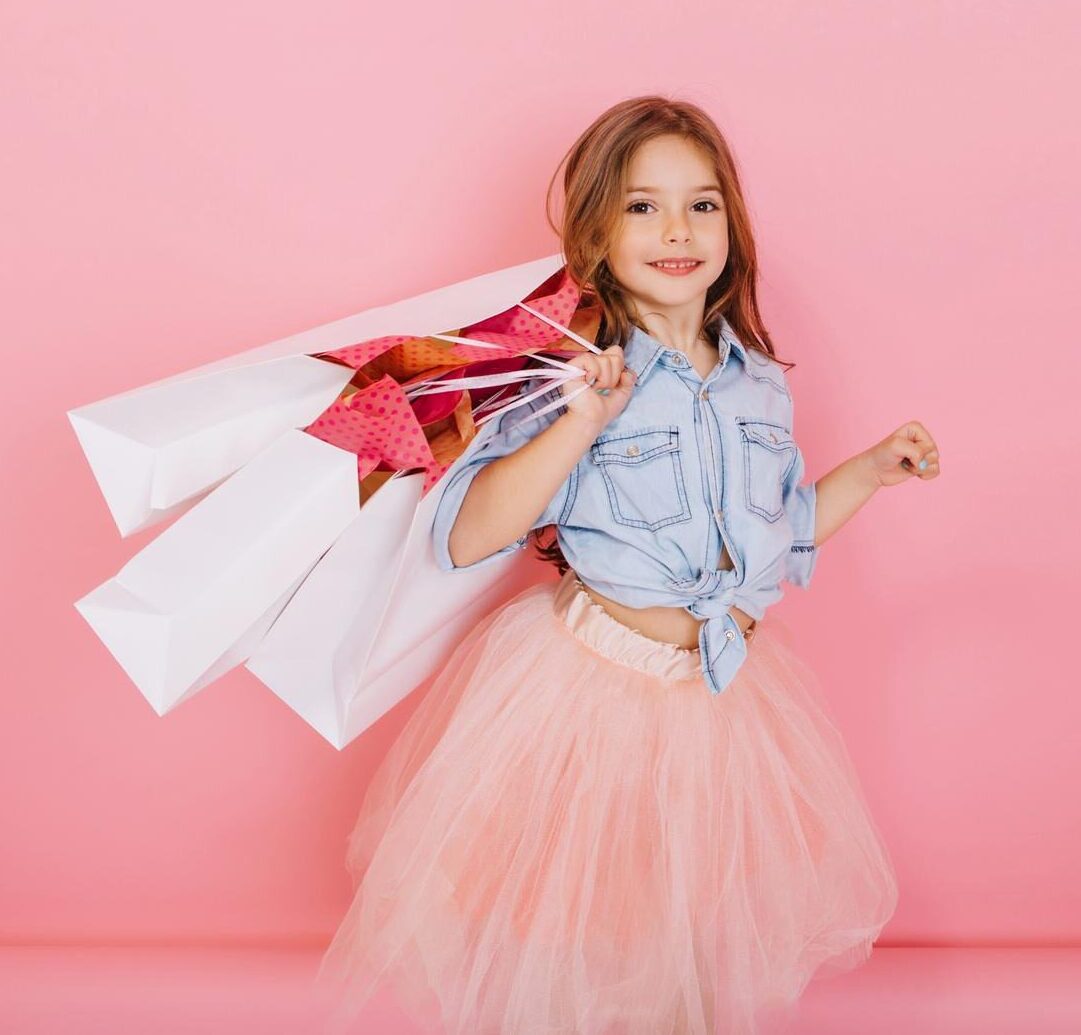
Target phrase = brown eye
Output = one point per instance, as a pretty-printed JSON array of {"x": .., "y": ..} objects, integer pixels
[{"x": 634, "y": 204}]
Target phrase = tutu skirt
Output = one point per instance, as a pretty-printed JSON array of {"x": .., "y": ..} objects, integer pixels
[{"x": 572, "y": 835}]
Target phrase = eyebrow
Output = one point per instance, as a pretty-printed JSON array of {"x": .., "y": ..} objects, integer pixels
[{"x": 657, "y": 190}]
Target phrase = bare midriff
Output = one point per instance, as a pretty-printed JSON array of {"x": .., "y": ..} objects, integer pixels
[{"x": 666, "y": 624}]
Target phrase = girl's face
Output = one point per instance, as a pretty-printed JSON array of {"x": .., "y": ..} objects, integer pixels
[{"x": 673, "y": 209}]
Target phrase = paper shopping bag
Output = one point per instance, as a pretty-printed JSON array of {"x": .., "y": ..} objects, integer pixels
[
  {"x": 155, "y": 450},
  {"x": 197, "y": 600},
  {"x": 190, "y": 607},
  {"x": 376, "y": 616}
]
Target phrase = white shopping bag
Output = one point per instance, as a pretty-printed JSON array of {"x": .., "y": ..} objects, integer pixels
[
  {"x": 155, "y": 450},
  {"x": 376, "y": 615},
  {"x": 197, "y": 600},
  {"x": 340, "y": 609}
]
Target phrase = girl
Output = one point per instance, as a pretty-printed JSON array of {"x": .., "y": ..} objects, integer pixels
[{"x": 621, "y": 807}]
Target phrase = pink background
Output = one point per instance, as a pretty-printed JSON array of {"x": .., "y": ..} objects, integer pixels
[{"x": 185, "y": 184}]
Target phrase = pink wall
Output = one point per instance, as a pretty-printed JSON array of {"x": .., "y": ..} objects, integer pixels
[{"x": 183, "y": 187}]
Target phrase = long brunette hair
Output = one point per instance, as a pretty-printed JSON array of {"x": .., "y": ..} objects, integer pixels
[{"x": 594, "y": 186}]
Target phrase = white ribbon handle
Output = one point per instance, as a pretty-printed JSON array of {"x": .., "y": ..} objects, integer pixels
[{"x": 510, "y": 376}]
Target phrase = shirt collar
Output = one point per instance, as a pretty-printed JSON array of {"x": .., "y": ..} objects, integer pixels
[{"x": 642, "y": 350}]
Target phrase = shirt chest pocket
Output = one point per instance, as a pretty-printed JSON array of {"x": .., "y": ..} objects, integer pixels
[
  {"x": 642, "y": 473},
  {"x": 769, "y": 451}
]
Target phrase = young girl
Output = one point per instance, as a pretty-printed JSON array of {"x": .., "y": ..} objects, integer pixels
[{"x": 620, "y": 807}]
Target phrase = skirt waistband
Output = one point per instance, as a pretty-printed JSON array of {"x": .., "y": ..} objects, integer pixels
[{"x": 594, "y": 626}]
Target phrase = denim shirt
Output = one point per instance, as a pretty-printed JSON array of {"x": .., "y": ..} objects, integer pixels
[{"x": 688, "y": 466}]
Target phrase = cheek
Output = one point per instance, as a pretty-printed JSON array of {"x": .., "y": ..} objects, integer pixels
[
  {"x": 621, "y": 258},
  {"x": 722, "y": 238},
  {"x": 631, "y": 249},
  {"x": 717, "y": 245}
]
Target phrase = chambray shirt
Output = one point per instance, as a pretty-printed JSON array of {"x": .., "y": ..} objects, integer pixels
[{"x": 689, "y": 465}]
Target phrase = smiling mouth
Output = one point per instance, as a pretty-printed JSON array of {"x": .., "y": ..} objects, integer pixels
[{"x": 676, "y": 265}]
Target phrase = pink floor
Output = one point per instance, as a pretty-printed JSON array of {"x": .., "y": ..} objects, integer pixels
[{"x": 86, "y": 991}]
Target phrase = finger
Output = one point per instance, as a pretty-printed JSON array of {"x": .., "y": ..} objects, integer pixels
[
  {"x": 611, "y": 368},
  {"x": 605, "y": 379},
  {"x": 928, "y": 459},
  {"x": 914, "y": 431},
  {"x": 929, "y": 468},
  {"x": 590, "y": 366},
  {"x": 907, "y": 451},
  {"x": 621, "y": 386}
]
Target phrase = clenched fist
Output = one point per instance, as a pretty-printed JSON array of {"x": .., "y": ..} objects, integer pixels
[
  {"x": 908, "y": 452},
  {"x": 609, "y": 391}
]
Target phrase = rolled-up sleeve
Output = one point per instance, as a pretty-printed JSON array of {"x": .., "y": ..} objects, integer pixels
[
  {"x": 497, "y": 438},
  {"x": 799, "y": 505}
]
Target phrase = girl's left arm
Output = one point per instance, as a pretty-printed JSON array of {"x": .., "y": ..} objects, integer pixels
[{"x": 908, "y": 452}]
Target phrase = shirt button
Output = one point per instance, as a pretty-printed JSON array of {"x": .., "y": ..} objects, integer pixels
[
  {"x": 632, "y": 450},
  {"x": 704, "y": 394},
  {"x": 718, "y": 514},
  {"x": 729, "y": 635}
]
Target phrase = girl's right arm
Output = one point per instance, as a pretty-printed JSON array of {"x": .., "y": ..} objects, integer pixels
[
  {"x": 516, "y": 475},
  {"x": 509, "y": 495}
]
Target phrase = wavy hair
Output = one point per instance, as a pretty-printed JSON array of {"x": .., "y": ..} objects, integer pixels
[{"x": 595, "y": 179}]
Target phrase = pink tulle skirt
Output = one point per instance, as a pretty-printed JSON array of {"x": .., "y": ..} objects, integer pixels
[{"x": 572, "y": 835}]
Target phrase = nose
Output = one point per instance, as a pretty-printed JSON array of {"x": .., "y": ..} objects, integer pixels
[{"x": 678, "y": 229}]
